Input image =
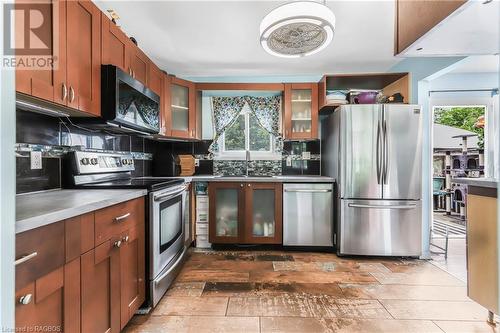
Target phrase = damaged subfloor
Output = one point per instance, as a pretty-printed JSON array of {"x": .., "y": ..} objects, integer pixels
[{"x": 272, "y": 291}]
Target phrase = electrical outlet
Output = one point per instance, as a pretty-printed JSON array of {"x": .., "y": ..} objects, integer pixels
[
  {"x": 36, "y": 160},
  {"x": 196, "y": 162},
  {"x": 288, "y": 161},
  {"x": 306, "y": 155}
]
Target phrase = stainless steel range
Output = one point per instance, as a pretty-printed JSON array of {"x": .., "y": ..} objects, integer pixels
[{"x": 167, "y": 210}]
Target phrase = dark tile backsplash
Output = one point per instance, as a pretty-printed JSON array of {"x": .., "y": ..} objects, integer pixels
[
  {"x": 39, "y": 129},
  {"x": 27, "y": 180},
  {"x": 36, "y": 129}
]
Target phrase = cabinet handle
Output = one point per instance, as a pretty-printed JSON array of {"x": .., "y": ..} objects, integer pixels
[
  {"x": 26, "y": 299},
  {"x": 130, "y": 71},
  {"x": 25, "y": 258},
  {"x": 71, "y": 94},
  {"x": 125, "y": 239},
  {"x": 64, "y": 92},
  {"x": 249, "y": 185},
  {"x": 133, "y": 74},
  {"x": 122, "y": 217},
  {"x": 118, "y": 243},
  {"x": 241, "y": 185}
]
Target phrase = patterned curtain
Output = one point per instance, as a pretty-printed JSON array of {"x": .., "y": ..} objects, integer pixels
[
  {"x": 225, "y": 112},
  {"x": 266, "y": 110}
]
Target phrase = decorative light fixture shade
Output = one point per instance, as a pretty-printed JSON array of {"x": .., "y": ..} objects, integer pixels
[{"x": 297, "y": 29}]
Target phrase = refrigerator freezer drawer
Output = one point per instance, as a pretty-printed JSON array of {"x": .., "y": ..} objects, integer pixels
[{"x": 381, "y": 228}]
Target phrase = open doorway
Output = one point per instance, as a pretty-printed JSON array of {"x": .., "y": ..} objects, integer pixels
[{"x": 458, "y": 151}]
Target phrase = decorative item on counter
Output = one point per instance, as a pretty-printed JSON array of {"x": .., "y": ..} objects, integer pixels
[
  {"x": 186, "y": 163},
  {"x": 362, "y": 96}
]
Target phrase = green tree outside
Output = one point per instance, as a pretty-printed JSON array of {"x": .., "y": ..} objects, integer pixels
[{"x": 463, "y": 117}]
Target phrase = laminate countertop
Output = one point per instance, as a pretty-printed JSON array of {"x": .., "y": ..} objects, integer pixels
[
  {"x": 35, "y": 210},
  {"x": 261, "y": 179}
]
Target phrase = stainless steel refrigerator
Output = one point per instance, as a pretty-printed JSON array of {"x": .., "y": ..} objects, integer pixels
[{"x": 374, "y": 153}]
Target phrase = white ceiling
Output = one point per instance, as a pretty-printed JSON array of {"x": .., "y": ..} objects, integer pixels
[
  {"x": 478, "y": 64},
  {"x": 199, "y": 39},
  {"x": 473, "y": 29}
]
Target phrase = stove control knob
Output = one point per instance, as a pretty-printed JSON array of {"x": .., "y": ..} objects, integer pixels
[
  {"x": 93, "y": 161},
  {"x": 84, "y": 161},
  {"x": 131, "y": 162},
  {"x": 125, "y": 162}
]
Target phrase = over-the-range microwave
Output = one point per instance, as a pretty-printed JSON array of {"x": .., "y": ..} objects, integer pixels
[{"x": 127, "y": 103}]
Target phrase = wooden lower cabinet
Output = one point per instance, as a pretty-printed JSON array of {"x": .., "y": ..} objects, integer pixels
[
  {"x": 132, "y": 269},
  {"x": 245, "y": 213},
  {"x": 100, "y": 280},
  {"x": 51, "y": 302},
  {"x": 70, "y": 285}
]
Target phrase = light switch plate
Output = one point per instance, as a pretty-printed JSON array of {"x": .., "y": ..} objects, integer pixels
[
  {"x": 289, "y": 161},
  {"x": 36, "y": 160},
  {"x": 306, "y": 155},
  {"x": 196, "y": 162}
]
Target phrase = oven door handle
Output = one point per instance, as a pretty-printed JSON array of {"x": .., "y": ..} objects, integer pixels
[
  {"x": 169, "y": 194},
  {"x": 174, "y": 266}
]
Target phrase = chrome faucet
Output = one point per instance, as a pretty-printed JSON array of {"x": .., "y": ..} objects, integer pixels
[{"x": 247, "y": 158}]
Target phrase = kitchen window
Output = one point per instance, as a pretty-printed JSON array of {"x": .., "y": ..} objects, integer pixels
[{"x": 246, "y": 134}]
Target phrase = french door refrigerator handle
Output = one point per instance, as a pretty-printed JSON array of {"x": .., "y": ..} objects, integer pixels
[
  {"x": 411, "y": 206},
  {"x": 385, "y": 153},
  {"x": 378, "y": 153}
]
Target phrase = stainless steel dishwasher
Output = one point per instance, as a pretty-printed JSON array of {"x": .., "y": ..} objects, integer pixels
[{"x": 308, "y": 214}]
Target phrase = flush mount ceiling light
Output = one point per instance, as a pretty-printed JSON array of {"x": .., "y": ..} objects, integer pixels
[{"x": 297, "y": 29}]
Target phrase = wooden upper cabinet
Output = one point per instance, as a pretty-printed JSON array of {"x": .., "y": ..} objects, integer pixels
[
  {"x": 139, "y": 63},
  {"x": 154, "y": 78},
  {"x": 84, "y": 56},
  {"x": 46, "y": 84},
  {"x": 414, "y": 18},
  {"x": 114, "y": 44},
  {"x": 182, "y": 110},
  {"x": 301, "y": 111}
]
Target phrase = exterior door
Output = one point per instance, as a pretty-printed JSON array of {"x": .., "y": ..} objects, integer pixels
[
  {"x": 361, "y": 151},
  {"x": 84, "y": 56},
  {"x": 226, "y": 205},
  {"x": 402, "y": 153},
  {"x": 47, "y": 84},
  {"x": 100, "y": 288},
  {"x": 132, "y": 271},
  {"x": 263, "y": 215}
]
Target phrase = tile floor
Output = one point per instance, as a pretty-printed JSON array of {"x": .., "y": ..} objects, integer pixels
[{"x": 312, "y": 292}]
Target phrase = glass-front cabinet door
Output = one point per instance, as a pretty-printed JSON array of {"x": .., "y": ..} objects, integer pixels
[
  {"x": 226, "y": 212},
  {"x": 182, "y": 108},
  {"x": 263, "y": 216},
  {"x": 301, "y": 111}
]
